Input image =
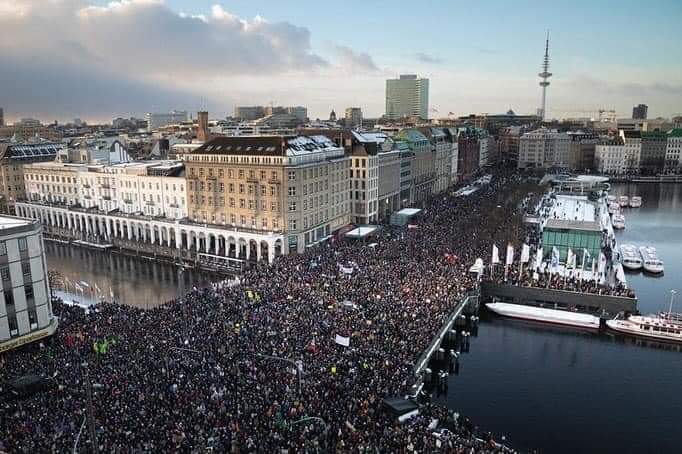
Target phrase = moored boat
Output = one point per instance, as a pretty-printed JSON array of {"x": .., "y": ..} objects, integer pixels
[
  {"x": 650, "y": 260},
  {"x": 635, "y": 201},
  {"x": 614, "y": 208},
  {"x": 666, "y": 326},
  {"x": 611, "y": 198},
  {"x": 618, "y": 221},
  {"x": 623, "y": 201},
  {"x": 630, "y": 257},
  {"x": 543, "y": 315}
]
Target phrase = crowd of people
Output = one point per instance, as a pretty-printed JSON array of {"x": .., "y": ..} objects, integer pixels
[
  {"x": 571, "y": 282},
  {"x": 258, "y": 366}
]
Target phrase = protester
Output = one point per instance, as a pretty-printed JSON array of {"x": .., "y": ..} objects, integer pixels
[{"x": 201, "y": 372}]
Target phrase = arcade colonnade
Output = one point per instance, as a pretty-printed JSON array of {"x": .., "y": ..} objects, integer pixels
[{"x": 101, "y": 227}]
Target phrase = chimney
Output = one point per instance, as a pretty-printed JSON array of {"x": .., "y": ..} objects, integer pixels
[{"x": 202, "y": 126}]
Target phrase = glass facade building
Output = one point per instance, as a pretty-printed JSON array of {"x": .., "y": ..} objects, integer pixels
[{"x": 577, "y": 236}]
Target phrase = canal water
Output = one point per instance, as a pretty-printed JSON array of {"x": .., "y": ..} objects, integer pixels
[
  {"x": 133, "y": 280},
  {"x": 560, "y": 390}
]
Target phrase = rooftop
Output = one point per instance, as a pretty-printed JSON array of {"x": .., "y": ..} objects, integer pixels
[
  {"x": 266, "y": 145},
  {"x": 8, "y": 222}
]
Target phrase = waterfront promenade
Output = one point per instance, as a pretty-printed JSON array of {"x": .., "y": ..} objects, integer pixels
[{"x": 298, "y": 357}]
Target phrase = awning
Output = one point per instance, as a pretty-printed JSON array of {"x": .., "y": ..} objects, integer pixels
[{"x": 362, "y": 232}]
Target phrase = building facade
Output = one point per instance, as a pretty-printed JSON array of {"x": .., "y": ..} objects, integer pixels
[
  {"x": 407, "y": 97},
  {"x": 673, "y": 152},
  {"x": 544, "y": 148},
  {"x": 158, "y": 120},
  {"x": 639, "y": 112},
  {"x": 611, "y": 159},
  {"x": 423, "y": 163},
  {"x": 654, "y": 145},
  {"x": 353, "y": 117},
  {"x": 25, "y": 304},
  {"x": 297, "y": 185}
]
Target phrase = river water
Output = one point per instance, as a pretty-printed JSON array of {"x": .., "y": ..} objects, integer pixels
[
  {"x": 133, "y": 280},
  {"x": 563, "y": 391}
]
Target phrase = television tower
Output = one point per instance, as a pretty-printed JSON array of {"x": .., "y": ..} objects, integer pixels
[{"x": 544, "y": 75}]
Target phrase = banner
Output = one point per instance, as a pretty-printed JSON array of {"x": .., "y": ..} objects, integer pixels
[
  {"x": 525, "y": 253},
  {"x": 341, "y": 340},
  {"x": 510, "y": 254},
  {"x": 346, "y": 270},
  {"x": 538, "y": 258},
  {"x": 555, "y": 257},
  {"x": 496, "y": 255}
]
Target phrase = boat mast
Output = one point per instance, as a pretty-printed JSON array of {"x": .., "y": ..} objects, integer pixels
[{"x": 672, "y": 297}]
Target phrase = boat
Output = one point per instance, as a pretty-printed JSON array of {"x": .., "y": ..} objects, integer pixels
[
  {"x": 614, "y": 208},
  {"x": 623, "y": 201},
  {"x": 666, "y": 326},
  {"x": 618, "y": 221},
  {"x": 635, "y": 201},
  {"x": 650, "y": 260},
  {"x": 630, "y": 258},
  {"x": 541, "y": 314},
  {"x": 611, "y": 198}
]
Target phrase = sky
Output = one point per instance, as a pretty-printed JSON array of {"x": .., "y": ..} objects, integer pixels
[{"x": 97, "y": 60}]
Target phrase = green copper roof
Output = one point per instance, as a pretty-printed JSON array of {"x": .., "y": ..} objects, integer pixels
[{"x": 677, "y": 132}]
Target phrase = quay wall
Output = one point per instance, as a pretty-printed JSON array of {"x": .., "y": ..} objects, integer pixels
[{"x": 585, "y": 302}]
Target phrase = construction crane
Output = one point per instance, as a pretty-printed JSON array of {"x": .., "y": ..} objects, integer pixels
[{"x": 601, "y": 113}]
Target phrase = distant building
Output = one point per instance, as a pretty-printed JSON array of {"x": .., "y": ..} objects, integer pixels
[
  {"x": 407, "y": 97},
  {"x": 202, "y": 126},
  {"x": 654, "y": 145},
  {"x": 582, "y": 150},
  {"x": 468, "y": 156},
  {"x": 25, "y": 305},
  {"x": 29, "y": 122},
  {"x": 249, "y": 113},
  {"x": 300, "y": 112},
  {"x": 639, "y": 112},
  {"x": 2, "y": 117},
  {"x": 157, "y": 120},
  {"x": 611, "y": 158},
  {"x": 13, "y": 157},
  {"x": 353, "y": 117},
  {"x": 543, "y": 149},
  {"x": 423, "y": 164},
  {"x": 673, "y": 152},
  {"x": 332, "y": 115}
]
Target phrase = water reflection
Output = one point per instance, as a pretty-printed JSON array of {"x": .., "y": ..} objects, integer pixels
[{"x": 135, "y": 281}]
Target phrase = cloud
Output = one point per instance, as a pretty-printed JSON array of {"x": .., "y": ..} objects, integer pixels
[
  {"x": 353, "y": 61},
  {"x": 143, "y": 43},
  {"x": 426, "y": 58}
]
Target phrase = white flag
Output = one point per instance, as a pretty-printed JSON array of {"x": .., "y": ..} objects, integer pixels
[
  {"x": 602, "y": 263},
  {"x": 570, "y": 259},
  {"x": 525, "y": 253},
  {"x": 555, "y": 257},
  {"x": 341, "y": 340},
  {"x": 496, "y": 255},
  {"x": 510, "y": 254},
  {"x": 538, "y": 257}
]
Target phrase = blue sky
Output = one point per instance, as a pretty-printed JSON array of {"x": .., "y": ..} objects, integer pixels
[{"x": 480, "y": 56}]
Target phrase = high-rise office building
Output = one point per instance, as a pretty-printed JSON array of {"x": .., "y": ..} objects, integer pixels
[
  {"x": 407, "y": 96},
  {"x": 353, "y": 117},
  {"x": 639, "y": 112},
  {"x": 157, "y": 120}
]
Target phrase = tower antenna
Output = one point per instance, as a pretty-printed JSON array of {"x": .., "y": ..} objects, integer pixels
[{"x": 545, "y": 75}]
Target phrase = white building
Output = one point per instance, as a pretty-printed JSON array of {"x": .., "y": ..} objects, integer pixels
[
  {"x": 157, "y": 120},
  {"x": 633, "y": 149},
  {"x": 407, "y": 96},
  {"x": 25, "y": 306},
  {"x": 611, "y": 159},
  {"x": 364, "y": 176},
  {"x": 544, "y": 148},
  {"x": 152, "y": 188},
  {"x": 673, "y": 151}
]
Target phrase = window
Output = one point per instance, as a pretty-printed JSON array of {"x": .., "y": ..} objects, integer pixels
[
  {"x": 242, "y": 203},
  {"x": 292, "y": 206},
  {"x": 292, "y": 175},
  {"x": 274, "y": 176},
  {"x": 25, "y": 268},
  {"x": 28, "y": 290},
  {"x": 22, "y": 244},
  {"x": 3, "y": 248},
  {"x": 241, "y": 174},
  {"x": 241, "y": 188},
  {"x": 292, "y": 224},
  {"x": 4, "y": 273},
  {"x": 292, "y": 190}
]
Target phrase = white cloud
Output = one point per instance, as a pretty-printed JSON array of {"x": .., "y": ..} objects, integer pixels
[{"x": 354, "y": 62}]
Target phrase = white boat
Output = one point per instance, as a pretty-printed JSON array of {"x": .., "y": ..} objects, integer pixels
[
  {"x": 618, "y": 221},
  {"x": 635, "y": 201},
  {"x": 650, "y": 260},
  {"x": 666, "y": 326},
  {"x": 611, "y": 198},
  {"x": 614, "y": 208},
  {"x": 623, "y": 201},
  {"x": 630, "y": 258},
  {"x": 540, "y": 314}
]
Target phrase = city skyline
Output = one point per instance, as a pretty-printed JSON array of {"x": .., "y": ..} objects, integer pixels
[{"x": 134, "y": 56}]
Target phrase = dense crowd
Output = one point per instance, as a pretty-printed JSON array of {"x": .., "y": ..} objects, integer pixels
[
  {"x": 201, "y": 372},
  {"x": 571, "y": 282}
]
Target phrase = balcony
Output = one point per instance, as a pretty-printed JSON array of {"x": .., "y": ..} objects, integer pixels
[
  {"x": 128, "y": 201},
  {"x": 174, "y": 205}
]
